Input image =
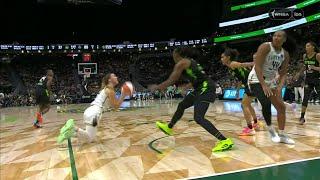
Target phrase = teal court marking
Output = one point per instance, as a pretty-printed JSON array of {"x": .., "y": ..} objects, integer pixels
[
  {"x": 139, "y": 123},
  {"x": 228, "y": 130},
  {"x": 153, "y": 148},
  {"x": 160, "y": 152},
  {"x": 306, "y": 169},
  {"x": 72, "y": 161}
]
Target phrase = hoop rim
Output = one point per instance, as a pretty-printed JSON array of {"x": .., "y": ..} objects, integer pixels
[{"x": 87, "y": 74}]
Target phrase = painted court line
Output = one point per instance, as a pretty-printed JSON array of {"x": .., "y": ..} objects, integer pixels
[{"x": 255, "y": 168}]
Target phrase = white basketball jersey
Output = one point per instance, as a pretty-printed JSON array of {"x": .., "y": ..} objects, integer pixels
[
  {"x": 101, "y": 98},
  {"x": 270, "y": 67}
]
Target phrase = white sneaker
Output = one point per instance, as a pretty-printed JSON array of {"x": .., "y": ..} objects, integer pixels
[
  {"x": 274, "y": 135},
  {"x": 286, "y": 139}
]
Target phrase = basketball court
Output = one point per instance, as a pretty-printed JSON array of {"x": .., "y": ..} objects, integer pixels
[{"x": 129, "y": 146}]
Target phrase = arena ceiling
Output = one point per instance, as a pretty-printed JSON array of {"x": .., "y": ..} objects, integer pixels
[{"x": 39, "y": 21}]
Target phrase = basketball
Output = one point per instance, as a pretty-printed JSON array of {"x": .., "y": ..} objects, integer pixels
[{"x": 127, "y": 88}]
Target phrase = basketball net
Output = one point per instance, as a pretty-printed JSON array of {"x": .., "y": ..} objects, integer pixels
[{"x": 86, "y": 75}]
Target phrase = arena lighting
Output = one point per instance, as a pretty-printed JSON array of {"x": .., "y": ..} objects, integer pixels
[
  {"x": 315, "y": 17},
  {"x": 266, "y": 15},
  {"x": 100, "y": 2},
  {"x": 251, "y": 4}
]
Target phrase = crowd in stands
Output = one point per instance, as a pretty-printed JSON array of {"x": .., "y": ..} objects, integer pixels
[
  {"x": 4, "y": 78},
  {"x": 153, "y": 69},
  {"x": 144, "y": 68},
  {"x": 29, "y": 69}
]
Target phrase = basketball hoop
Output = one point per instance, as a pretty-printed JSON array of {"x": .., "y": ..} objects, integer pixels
[{"x": 86, "y": 75}]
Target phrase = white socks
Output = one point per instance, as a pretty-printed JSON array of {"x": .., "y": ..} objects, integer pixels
[{"x": 281, "y": 132}]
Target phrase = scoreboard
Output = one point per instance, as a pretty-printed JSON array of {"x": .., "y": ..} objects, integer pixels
[{"x": 98, "y": 47}]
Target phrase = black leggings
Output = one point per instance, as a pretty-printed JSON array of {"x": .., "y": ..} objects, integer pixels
[
  {"x": 308, "y": 88},
  {"x": 264, "y": 100},
  {"x": 201, "y": 103}
]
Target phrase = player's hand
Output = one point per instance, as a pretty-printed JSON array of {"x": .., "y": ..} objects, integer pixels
[
  {"x": 267, "y": 90},
  {"x": 312, "y": 67}
]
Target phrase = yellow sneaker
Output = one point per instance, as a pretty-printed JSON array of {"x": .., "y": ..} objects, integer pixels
[
  {"x": 223, "y": 145},
  {"x": 164, "y": 128}
]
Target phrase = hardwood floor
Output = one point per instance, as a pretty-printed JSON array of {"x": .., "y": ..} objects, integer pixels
[{"x": 129, "y": 146}]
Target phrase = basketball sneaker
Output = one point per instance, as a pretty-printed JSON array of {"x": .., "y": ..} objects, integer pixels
[
  {"x": 36, "y": 124},
  {"x": 247, "y": 132},
  {"x": 223, "y": 145},
  {"x": 286, "y": 139},
  {"x": 302, "y": 121},
  {"x": 66, "y": 131},
  {"x": 164, "y": 128},
  {"x": 273, "y": 134},
  {"x": 258, "y": 126},
  {"x": 39, "y": 117}
]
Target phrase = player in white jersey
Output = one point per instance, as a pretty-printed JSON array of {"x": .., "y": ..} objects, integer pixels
[
  {"x": 92, "y": 114},
  {"x": 271, "y": 59}
]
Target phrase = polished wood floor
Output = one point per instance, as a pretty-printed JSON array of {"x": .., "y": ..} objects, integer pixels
[{"x": 129, "y": 146}]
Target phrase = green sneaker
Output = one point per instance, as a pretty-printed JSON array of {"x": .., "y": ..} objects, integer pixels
[
  {"x": 66, "y": 131},
  {"x": 164, "y": 128},
  {"x": 223, "y": 145},
  {"x": 69, "y": 124}
]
